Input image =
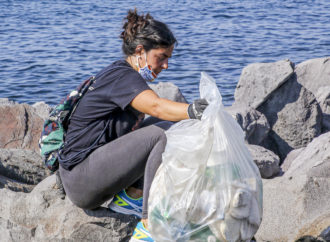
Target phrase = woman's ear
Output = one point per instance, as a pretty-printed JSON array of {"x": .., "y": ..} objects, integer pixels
[{"x": 139, "y": 49}]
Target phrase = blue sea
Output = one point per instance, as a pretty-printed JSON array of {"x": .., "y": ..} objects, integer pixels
[{"x": 48, "y": 47}]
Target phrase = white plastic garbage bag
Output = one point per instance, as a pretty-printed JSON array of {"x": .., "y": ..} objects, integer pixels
[{"x": 207, "y": 187}]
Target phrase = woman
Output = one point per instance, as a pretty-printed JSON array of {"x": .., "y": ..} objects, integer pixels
[{"x": 109, "y": 150}]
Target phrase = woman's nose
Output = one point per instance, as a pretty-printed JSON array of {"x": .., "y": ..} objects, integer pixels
[{"x": 165, "y": 65}]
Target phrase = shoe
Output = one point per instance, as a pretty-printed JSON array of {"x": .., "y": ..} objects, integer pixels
[
  {"x": 124, "y": 204},
  {"x": 141, "y": 234}
]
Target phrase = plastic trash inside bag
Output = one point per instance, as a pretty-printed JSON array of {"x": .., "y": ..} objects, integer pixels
[{"x": 207, "y": 188}]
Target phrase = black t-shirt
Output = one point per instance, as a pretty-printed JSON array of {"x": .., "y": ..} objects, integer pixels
[{"x": 104, "y": 113}]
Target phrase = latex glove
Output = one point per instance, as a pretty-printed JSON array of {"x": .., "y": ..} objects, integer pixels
[{"x": 196, "y": 109}]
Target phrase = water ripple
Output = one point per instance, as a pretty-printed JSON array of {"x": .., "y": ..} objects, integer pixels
[{"x": 48, "y": 47}]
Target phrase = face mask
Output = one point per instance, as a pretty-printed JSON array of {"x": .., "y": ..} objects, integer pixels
[{"x": 146, "y": 71}]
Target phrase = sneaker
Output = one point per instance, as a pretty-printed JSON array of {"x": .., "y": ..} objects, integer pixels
[
  {"x": 122, "y": 203},
  {"x": 141, "y": 234}
]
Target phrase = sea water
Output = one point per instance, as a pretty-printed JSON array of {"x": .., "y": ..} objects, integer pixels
[{"x": 48, "y": 47}]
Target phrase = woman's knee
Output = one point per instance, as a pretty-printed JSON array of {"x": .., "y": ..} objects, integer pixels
[
  {"x": 90, "y": 202},
  {"x": 158, "y": 133}
]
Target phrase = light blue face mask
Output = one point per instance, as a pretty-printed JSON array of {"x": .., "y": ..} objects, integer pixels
[{"x": 146, "y": 71}]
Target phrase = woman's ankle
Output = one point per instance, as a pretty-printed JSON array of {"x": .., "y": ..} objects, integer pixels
[
  {"x": 134, "y": 193},
  {"x": 145, "y": 222}
]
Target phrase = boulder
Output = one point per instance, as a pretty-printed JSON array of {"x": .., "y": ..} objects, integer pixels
[
  {"x": 169, "y": 91},
  {"x": 266, "y": 160},
  {"x": 6, "y": 101},
  {"x": 20, "y": 128},
  {"x": 326, "y": 234},
  {"x": 42, "y": 109},
  {"x": 24, "y": 166},
  {"x": 289, "y": 158},
  {"x": 314, "y": 75},
  {"x": 43, "y": 216},
  {"x": 253, "y": 123},
  {"x": 294, "y": 117},
  {"x": 259, "y": 80},
  {"x": 13, "y": 185},
  {"x": 297, "y": 203},
  {"x": 323, "y": 96},
  {"x": 292, "y": 111}
]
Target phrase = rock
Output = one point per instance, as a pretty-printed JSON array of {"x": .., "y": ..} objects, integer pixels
[
  {"x": 326, "y": 234},
  {"x": 20, "y": 127},
  {"x": 266, "y": 160},
  {"x": 169, "y": 91},
  {"x": 13, "y": 185},
  {"x": 43, "y": 216},
  {"x": 308, "y": 238},
  {"x": 253, "y": 123},
  {"x": 6, "y": 101},
  {"x": 259, "y": 80},
  {"x": 314, "y": 75},
  {"x": 297, "y": 203},
  {"x": 42, "y": 109},
  {"x": 25, "y": 166},
  {"x": 294, "y": 117},
  {"x": 292, "y": 111},
  {"x": 323, "y": 96},
  {"x": 289, "y": 158}
]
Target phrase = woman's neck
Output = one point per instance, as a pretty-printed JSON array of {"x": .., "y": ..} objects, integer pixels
[{"x": 130, "y": 60}]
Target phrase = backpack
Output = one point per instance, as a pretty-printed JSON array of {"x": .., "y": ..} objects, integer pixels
[{"x": 55, "y": 127}]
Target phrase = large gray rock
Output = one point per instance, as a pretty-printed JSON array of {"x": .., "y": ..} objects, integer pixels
[
  {"x": 253, "y": 123},
  {"x": 13, "y": 185},
  {"x": 292, "y": 111},
  {"x": 314, "y": 74},
  {"x": 290, "y": 158},
  {"x": 25, "y": 166},
  {"x": 43, "y": 216},
  {"x": 259, "y": 80},
  {"x": 297, "y": 203},
  {"x": 323, "y": 96},
  {"x": 6, "y": 101},
  {"x": 266, "y": 160},
  {"x": 20, "y": 127},
  {"x": 326, "y": 234},
  {"x": 294, "y": 116},
  {"x": 42, "y": 109},
  {"x": 169, "y": 91}
]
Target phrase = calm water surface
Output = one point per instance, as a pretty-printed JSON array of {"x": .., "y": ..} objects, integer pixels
[{"x": 48, "y": 47}]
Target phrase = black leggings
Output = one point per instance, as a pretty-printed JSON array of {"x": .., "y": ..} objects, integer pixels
[{"x": 116, "y": 166}]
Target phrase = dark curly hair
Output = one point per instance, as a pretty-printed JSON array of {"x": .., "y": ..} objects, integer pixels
[{"x": 145, "y": 31}]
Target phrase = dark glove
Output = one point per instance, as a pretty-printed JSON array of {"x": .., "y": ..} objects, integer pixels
[{"x": 196, "y": 109}]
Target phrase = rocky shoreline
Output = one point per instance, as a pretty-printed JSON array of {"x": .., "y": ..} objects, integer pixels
[{"x": 284, "y": 111}]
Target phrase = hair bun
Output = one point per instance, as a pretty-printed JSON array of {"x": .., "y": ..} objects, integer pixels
[
  {"x": 133, "y": 24},
  {"x": 144, "y": 30}
]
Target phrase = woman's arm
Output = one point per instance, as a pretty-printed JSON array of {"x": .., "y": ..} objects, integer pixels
[{"x": 148, "y": 102}]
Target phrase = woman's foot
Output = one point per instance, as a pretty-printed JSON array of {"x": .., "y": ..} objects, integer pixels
[
  {"x": 122, "y": 203},
  {"x": 134, "y": 192},
  {"x": 141, "y": 234}
]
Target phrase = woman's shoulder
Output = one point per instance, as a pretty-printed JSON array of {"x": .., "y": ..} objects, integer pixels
[
  {"x": 120, "y": 63},
  {"x": 118, "y": 66}
]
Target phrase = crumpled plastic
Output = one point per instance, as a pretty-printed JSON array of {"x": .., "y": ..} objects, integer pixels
[{"x": 207, "y": 188}]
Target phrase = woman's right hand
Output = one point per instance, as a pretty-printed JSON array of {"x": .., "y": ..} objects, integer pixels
[{"x": 196, "y": 109}]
